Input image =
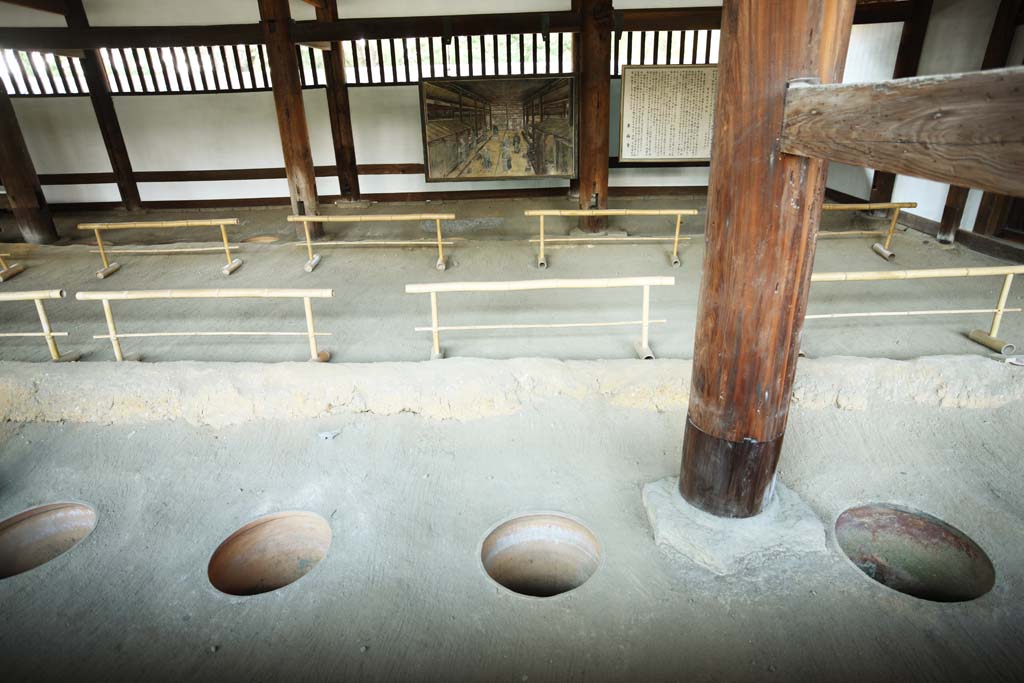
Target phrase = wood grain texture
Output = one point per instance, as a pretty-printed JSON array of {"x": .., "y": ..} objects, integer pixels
[
  {"x": 339, "y": 110},
  {"x": 908, "y": 58},
  {"x": 962, "y": 129},
  {"x": 291, "y": 112},
  {"x": 106, "y": 116},
  {"x": 21, "y": 183},
  {"x": 594, "y": 108},
  {"x": 764, "y": 207}
]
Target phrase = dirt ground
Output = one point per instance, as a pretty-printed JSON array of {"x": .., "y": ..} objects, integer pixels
[
  {"x": 410, "y": 490},
  {"x": 412, "y": 463},
  {"x": 372, "y": 319}
]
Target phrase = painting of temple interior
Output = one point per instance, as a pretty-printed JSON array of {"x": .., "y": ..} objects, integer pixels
[{"x": 478, "y": 129}]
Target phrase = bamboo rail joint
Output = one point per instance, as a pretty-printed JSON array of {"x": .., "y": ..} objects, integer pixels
[
  {"x": 37, "y": 297},
  {"x": 988, "y": 339},
  {"x": 882, "y": 249},
  {"x": 542, "y": 261},
  {"x": 109, "y": 268},
  {"x": 643, "y": 348},
  {"x": 9, "y": 270},
  {"x": 307, "y": 296},
  {"x": 314, "y": 259}
]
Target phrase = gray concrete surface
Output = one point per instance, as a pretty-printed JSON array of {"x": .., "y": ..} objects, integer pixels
[
  {"x": 410, "y": 490},
  {"x": 372, "y": 319}
]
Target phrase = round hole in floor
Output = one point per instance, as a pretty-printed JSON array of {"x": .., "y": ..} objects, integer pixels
[
  {"x": 261, "y": 239},
  {"x": 914, "y": 553},
  {"x": 269, "y": 553},
  {"x": 40, "y": 534},
  {"x": 541, "y": 555}
]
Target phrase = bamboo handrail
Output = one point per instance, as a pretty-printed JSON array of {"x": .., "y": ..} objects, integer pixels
[
  {"x": 109, "y": 268},
  {"x": 314, "y": 259},
  {"x": 433, "y": 289},
  {"x": 8, "y": 271},
  {"x": 882, "y": 249},
  {"x": 919, "y": 274},
  {"x": 307, "y": 295},
  {"x": 37, "y": 296},
  {"x": 542, "y": 261},
  {"x": 988, "y": 339},
  {"x": 137, "y": 294}
]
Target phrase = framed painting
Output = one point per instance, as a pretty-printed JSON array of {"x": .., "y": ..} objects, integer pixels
[{"x": 499, "y": 128}]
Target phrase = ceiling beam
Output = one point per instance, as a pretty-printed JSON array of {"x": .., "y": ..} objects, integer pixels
[
  {"x": 51, "y": 6},
  {"x": 962, "y": 129},
  {"x": 699, "y": 18}
]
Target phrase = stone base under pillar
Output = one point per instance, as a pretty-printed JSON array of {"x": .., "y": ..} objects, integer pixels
[{"x": 725, "y": 546}]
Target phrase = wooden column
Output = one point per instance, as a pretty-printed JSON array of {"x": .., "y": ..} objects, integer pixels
[
  {"x": 908, "y": 58},
  {"x": 763, "y": 212},
  {"x": 20, "y": 180},
  {"x": 339, "y": 110},
  {"x": 996, "y": 53},
  {"x": 594, "y": 84},
  {"x": 106, "y": 116},
  {"x": 291, "y": 112}
]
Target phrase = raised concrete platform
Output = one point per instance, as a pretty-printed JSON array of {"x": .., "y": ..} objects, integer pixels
[{"x": 428, "y": 458}]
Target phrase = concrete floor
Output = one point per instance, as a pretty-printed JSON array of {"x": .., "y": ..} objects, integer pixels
[
  {"x": 410, "y": 493},
  {"x": 372, "y": 319},
  {"x": 175, "y": 456}
]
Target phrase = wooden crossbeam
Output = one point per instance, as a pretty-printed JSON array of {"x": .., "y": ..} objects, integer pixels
[
  {"x": 963, "y": 129},
  {"x": 52, "y": 6}
]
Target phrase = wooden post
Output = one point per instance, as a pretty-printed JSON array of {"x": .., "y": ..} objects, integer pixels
[
  {"x": 764, "y": 207},
  {"x": 106, "y": 116},
  {"x": 995, "y": 207},
  {"x": 338, "y": 108},
  {"x": 594, "y": 83},
  {"x": 291, "y": 112},
  {"x": 31, "y": 212},
  {"x": 908, "y": 58},
  {"x": 997, "y": 51}
]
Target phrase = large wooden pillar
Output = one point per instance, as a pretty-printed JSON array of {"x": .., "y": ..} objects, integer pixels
[
  {"x": 20, "y": 180},
  {"x": 291, "y": 112},
  {"x": 106, "y": 116},
  {"x": 763, "y": 212},
  {"x": 338, "y": 108},
  {"x": 595, "y": 99},
  {"x": 908, "y": 58}
]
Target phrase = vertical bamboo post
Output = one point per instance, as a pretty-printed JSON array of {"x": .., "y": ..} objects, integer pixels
[
  {"x": 989, "y": 339},
  {"x": 108, "y": 267},
  {"x": 233, "y": 264},
  {"x": 307, "y": 303},
  {"x": 643, "y": 349},
  {"x": 441, "y": 265},
  {"x": 541, "y": 261},
  {"x": 47, "y": 331},
  {"x": 675, "y": 242},
  {"x": 436, "y": 350},
  {"x": 313, "y": 258},
  {"x": 103, "y": 253},
  {"x": 892, "y": 227},
  {"x": 112, "y": 330},
  {"x": 997, "y": 318},
  {"x": 3, "y": 264},
  {"x": 7, "y": 271}
]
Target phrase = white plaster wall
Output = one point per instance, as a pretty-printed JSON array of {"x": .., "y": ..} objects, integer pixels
[
  {"x": 957, "y": 35},
  {"x": 870, "y": 58}
]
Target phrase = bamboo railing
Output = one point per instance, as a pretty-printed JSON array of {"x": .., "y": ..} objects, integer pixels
[
  {"x": 38, "y": 296},
  {"x": 643, "y": 348},
  {"x": 109, "y": 268},
  {"x": 543, "y": 239},
  {"x": 314, "y": 259},
  {"x": 882, "y": 249},
  {"x": 307, "y": 295}
]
